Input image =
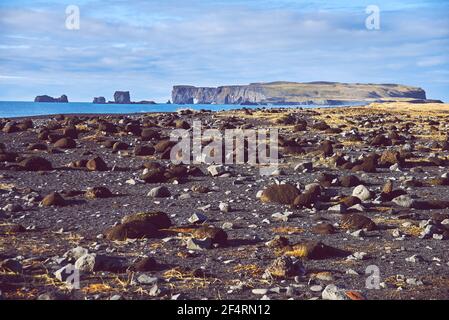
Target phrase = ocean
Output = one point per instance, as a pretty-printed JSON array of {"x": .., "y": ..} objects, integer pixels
[{"x": 10, "y": 109}]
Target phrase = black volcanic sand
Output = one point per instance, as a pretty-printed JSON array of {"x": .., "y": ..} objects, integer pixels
[{"x": 233, "y": 270}]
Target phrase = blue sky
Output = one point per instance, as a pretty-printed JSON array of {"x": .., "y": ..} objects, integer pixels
[{"x": 146, "y": 47}]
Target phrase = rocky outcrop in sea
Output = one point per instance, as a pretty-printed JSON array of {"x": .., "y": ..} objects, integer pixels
[{"x": 45, "y": 98}]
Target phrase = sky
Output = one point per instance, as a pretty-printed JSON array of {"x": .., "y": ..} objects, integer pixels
[{"x": 146, "y": 47}]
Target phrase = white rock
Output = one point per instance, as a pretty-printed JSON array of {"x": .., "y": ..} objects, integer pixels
[
  {"x": 227, "y": 226},
  {"x": 199, "y": 244},
  {"x": 159, "y": 192},
  {"x": 145, "y": 279},
  {"x": 332, "y": 292},
  {"x": 86, "y": 263},
  {"x": 316, "y": 288},
  {"x": 414, "y": 259},
  {"x": 339, "y": 208},
  {"x": 197, "y": 218},
  {"x": 404, "y": 201},
  {"x": 224, "y": 207},
  {"x": 216, "y": 170},
  {"x": 75, "y": 253},
  {"x": 260, "y": 291},
  {"x": 361, "y": 192}
]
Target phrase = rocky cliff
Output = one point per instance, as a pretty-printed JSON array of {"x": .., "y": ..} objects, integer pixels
[{"x": 323, "y": 93}]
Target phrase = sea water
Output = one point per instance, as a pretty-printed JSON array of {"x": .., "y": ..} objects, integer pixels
[{"x": 9, "y": 109}]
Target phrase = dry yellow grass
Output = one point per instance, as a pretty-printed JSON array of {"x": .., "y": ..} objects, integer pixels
[
  {"x": 416, "y": 108},
  {"x": 249, "y": 269},
  {"x": 287, "y": 230},
  {"x": 97, "y": 288}
]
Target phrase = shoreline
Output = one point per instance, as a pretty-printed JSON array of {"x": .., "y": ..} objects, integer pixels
[{"x": 388, "y": 106}]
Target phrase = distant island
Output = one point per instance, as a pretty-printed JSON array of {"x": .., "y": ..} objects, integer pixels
[
  {"x": 120, "y": 97},
  {"x": 290, "y": 93},
  {"x": 45, "y": 98}
]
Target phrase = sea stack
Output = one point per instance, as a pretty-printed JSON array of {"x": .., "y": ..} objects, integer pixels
[
  {"x": 99, "y": 100},
  {"x": 45, "y": 98},
  {"x": 122, "y": 97}
]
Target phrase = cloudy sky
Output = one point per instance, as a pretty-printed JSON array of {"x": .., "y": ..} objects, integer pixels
[{"x": 146, "y": 47}]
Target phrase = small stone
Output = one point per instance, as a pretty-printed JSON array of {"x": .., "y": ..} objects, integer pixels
[
  {"x": 361, "y": 192},
  {"x": 199, "y": 244},
  {"x": 260, "y": 291},
  {"x": 147, "y": 280},
  {"x": 332, "y": 292},
  {"x": 306, "y": 166},
  {"x": 357, "y": 207},
  {"x": 11, "y": 265},
  {"x": 74, "y": 254},
  {"x": 396, "y": 233},
  {"x": 216, "y": 170},
  {"x": 64, "y": 273},
  {"x": 404, "y": 201},
  {"x": 358, "y": 233},
  {"x": 12, "y": 208},
  {"x": 316, "y": 288},
  {"x": 283, "y": 267},
  {"x": 227, "y": 226},
  {"x": 53, "y": 199},
  {"x": 159, "y": 192},
  {"x": 438, "y": 236},
  {"x": 357, "y": 256},
  {"x": 197, "y": 218},
  {"x": 281, "y": 216},
  {"x": 224, "y": 207},
  {"x": 154, "y": 291},
  {"x": 415, "y": 258},
  {"x": 339, "y": 208}
]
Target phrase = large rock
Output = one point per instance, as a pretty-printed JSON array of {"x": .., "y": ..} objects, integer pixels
[
  {"x": 404, "y": 201},
  {"x": 65, "y": 143},
  {"x": 142, "y": 150},
  {"x": 216, "y": 235},
  {"x": 96, "y": 164},
  {"x": 53, "y": 199},
  {"x": 314, "y": 250},
  {"x": 159, "y": 192},
  {"x": 122, "y": 97},
  {"x": 140, "y": 225},
  {"x": 98, "y": 192},
  {"x": 356, "y": 222},
  {"x": 92, "y": 262},
  {"x": 280, "y": 193},
  {"x": 361, "y": 192},
  {"x": 36, "y": 164},
  {"x": 158, "y": 219},
  {"x": 283, "y": 267},
  {"x": 390, "y": 157}
]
